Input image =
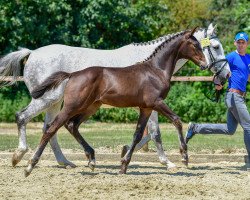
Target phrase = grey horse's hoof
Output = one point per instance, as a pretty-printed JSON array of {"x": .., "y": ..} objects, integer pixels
[
  {"x": 17, "y": 156},
  {"x": 67, "y": 165}
]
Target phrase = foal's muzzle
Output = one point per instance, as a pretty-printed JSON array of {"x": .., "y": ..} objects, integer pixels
[{"x": 203, "y": 65}]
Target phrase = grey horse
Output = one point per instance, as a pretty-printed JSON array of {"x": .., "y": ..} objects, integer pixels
[{"x": 39, "y": 64}]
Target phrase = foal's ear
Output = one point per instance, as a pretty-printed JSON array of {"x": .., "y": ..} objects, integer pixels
[{"x": 193, "y": 31}]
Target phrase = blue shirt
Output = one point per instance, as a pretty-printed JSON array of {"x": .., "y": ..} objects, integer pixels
[{"x": 240, "y": 69}]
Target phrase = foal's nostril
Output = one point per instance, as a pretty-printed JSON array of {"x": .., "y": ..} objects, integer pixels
[{"x": 228, "y": 75}]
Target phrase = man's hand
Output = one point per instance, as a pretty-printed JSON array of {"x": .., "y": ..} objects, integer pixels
[{"x": 218, "y": 87}]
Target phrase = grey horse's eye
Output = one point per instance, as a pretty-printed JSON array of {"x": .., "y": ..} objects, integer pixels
[{"x": 216, "y": 47}]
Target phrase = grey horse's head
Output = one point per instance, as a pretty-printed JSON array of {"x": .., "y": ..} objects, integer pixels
[{"x": 214, "y": 53}]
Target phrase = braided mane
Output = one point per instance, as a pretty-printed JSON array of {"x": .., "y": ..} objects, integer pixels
[
  {"x": 163, "y": 38},
  {"x": 162, "y": 45}
]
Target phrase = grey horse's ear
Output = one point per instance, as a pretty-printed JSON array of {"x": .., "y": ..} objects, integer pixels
[
  {"x": 210, "y": 26},
  {"x": 212, "y": 29},
  {"x": 215, "y": 29}
]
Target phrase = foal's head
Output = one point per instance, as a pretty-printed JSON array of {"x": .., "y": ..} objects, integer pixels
[{"x": 191, "y": 49}]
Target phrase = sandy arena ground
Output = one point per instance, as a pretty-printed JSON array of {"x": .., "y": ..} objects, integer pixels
[{"x": 144, "y": 180}]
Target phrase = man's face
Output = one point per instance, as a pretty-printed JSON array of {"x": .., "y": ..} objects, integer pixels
[{"x": 241, "y": 46}]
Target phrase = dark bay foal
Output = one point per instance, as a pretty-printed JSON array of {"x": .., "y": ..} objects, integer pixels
[{"x": 144, "y": 85}]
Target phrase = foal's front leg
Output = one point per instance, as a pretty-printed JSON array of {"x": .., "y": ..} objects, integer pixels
[
  {"x": 162, "y": 108},
  {"x": 141, "y": 124}
]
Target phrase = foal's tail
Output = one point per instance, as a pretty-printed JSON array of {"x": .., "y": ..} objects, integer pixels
[
  {"x": 50, "y": 83},
  {"x": 11, "y": 65}
]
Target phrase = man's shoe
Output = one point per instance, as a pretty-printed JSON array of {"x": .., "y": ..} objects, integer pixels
[{"x": 190, "y": 132}]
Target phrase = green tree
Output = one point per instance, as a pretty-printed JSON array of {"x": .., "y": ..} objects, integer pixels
[
  {"x": 99, "y": 24},
  {"x": 111, "y": 23},
  {"x": 231, "y": 16},
  {"x": 186, "y": 14}
]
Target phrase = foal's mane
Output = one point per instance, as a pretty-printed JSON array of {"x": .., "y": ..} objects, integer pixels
[{"x": 162, "y": 45}]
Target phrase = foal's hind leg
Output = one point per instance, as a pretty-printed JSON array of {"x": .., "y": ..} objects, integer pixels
[
  {"x": 50, "y": 116},
  {"x": 60, "y": 119},
  {"x": 73, "y": 125},
  {"x": 35, "y": 107},
  {"x": 142, "y": 122},
  {"x": 167, "y": 112}
]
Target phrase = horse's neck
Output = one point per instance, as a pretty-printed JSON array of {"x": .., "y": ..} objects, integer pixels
[
  {"x": 181, "y": 62},
  {"x": 166, "y": 57}
]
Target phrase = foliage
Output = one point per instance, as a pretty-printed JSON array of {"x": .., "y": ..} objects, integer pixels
[
  {"x": 13, "y": 99},
  {"x": 232, "y": 16},
  {"x": 186, "y": 14},
  {"x": 110, "y": 24},
  {"x": 98, "y": 24}
]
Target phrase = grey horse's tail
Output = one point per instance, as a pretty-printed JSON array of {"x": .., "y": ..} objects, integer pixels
[
  {"x": 50, "y": 83},
  {"x": 11, "y": 65}
]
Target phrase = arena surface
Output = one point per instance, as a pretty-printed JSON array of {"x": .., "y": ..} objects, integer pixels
[{"x": 144, "y": 180}]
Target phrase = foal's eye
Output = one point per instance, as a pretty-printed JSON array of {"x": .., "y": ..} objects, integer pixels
[{"x": 197, "y": 46}]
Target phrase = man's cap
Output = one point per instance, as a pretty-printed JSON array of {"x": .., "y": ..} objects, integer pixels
[{"x": 241, "y": 36}]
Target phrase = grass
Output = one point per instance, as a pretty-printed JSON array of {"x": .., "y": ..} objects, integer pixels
[{"x": 111, "y": 135}]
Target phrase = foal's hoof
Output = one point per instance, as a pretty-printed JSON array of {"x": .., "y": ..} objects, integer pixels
[
  {"x": 26, "y": 173},
  {"x": 122, "y": 172},
  {"x": 17, "y": 156},
  {"x": 29, "y": 168},
  {"x": 125, "y": 149},
  {"x": 185, "y": 162},
  {"x": 91, "y": 165},
  {"x": 124, "y": 167}
]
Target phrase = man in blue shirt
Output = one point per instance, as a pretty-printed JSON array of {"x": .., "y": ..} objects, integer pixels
[{"x": 237, "y": 112}]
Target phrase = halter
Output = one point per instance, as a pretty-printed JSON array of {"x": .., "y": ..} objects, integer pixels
[
  {"x": 216, "y": 94},
  {"x": 209, "y": 66}
]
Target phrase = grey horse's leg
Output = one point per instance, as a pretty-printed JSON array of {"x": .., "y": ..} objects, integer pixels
[
  {"x": 50, "y": 116},
  {"x": 155, "y": 135},
  {"x": 154, "y": 131},
  {"x": 35, "y": 107}
]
